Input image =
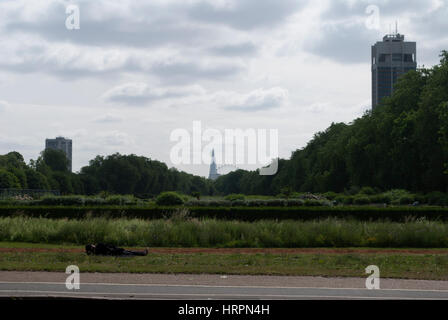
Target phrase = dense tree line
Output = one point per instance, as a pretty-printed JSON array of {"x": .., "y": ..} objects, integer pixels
[
  {"x": 403, "y": 143},
  {"x": 115, "y": 174},
  {"x": 122, "y": 174}
]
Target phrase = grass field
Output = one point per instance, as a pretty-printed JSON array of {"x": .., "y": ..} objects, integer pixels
[
  {"x": 34, "y": 244},
  {"x": 178, "y": 232},
  {"x": 397, "y": 265}
]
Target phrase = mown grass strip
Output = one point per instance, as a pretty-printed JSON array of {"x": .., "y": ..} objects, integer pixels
[{"x": 428, "y": 267}]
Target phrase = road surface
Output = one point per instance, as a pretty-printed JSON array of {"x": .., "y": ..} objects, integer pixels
[{"x": 216, "y": 287}]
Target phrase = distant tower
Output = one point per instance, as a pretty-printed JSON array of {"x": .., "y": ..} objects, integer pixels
[
  {"x": 62, "y": 144},
  {"x": 391, "y": 58},
  {"x": 213, "y": 168}
]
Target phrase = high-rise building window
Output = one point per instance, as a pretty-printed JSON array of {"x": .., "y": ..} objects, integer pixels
[{"x": 391, "y": 58}]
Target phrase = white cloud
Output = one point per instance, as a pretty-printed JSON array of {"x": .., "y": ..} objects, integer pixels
[
  {"x": 115, "y": 139},
  {"x": 137, "y": 94},
  {"x": 108, "y": 118},
  {"x": 141, "y": 93},
  {"x": 71, "y": 62},
  {"x": 3, "y": 105},
  {"x": 256, "y": 100}
]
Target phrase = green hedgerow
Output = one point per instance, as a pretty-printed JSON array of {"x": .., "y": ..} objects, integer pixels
[
  {"x": 361, "y": 200},
  {"x": 235, "y": 197},
  {"x": 169, "y": 199}
]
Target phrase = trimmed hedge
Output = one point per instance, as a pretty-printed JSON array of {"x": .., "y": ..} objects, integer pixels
[
  {"x": 234, "y": 213},
  {"x": 74, "y": 201}
]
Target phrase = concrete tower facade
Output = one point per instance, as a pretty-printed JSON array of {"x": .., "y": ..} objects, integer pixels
[{"x": 391, "y": 58}]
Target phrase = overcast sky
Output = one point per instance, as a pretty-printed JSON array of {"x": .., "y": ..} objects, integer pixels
[{"x": 137, "y": 70}]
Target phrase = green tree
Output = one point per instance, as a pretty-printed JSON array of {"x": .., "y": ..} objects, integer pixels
[
  {"x": 56, "y": 160},
  {"x": 36, "y": 180},
  {"x": 8, "y": 180}
]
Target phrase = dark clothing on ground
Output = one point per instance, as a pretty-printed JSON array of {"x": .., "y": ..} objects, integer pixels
[{"x": 102, "y": 249}]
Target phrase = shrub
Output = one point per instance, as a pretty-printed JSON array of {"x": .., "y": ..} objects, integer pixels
[
  {"x": 296, "y": 195},
  {"x": 218, "y": 203},
  {"x": 310, "y": 196},
  {"x": 94, "y": 201},
  {"x": 285, "y": 193},
  {"x": 361, "y": 200},
  {"x": 405, "y": 200},
  {"x": 437, "y": 198},
  {"x": 421, "y": 199},
  {"x": 316, "y": 203},
  {"x": 121, "y": 200},
  {"x": 62, "y": 201},
  {"x": 104, "y": 194},
  {"x": 235, "y": 197},
  {"x": 380, "y": 198},
  {"x": 169, "y": 199},
  {"x": 239, "y": 203},
  {"x": 346, "y": 200},
  {"x": 396, "y": 195},
  {"x": 196, "y": 195},
  {"x": 275, "y": 203},
  {"x": 194, "y": 203},
  {"x": 354, "y": 190},
  {"x": 368, "y": 191},
  {"x": 248, "y": 203},
  {"x": 330, "y": 195},
  {"x": 256, "y": 203},
  {"x": 295, "y": 203},
  {"x": 208, "y": 203}
]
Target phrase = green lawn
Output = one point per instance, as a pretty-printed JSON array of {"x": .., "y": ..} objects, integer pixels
[
  {"x": 27, "y": 245},
  {"x": 405, "y": 266}
]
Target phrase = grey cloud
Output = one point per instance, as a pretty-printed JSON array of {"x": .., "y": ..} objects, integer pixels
[
  {"x": 344, "y": 43},
  {"x": 243, "y": 49},
  {"x": 439, "y": 23},
  {"x": 144, "y": 25},
  {"x": 70, "y": 63},
  {"x": 342, "y": 9},
  {"x": 257, "y": 100},
  {"x": 151, "y": 25},
  {"x": 180, "y": 72},
  {"x": 139, "y": 94},
  {"x": 162, "y": 25},
  {"x": 344, "y": 38},
  {"x": 246, "y": 14}
]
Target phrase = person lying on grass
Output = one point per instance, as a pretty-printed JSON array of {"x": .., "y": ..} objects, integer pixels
[{"x": 102, "y": 249}]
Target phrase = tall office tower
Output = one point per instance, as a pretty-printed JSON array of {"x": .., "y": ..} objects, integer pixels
[
  {"x": 391, "y": 58},
  {"x": 63, "y": 144},
  {"x": 213, "y": 168}
]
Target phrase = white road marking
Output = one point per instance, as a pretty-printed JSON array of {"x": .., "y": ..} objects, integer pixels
[
  {"x": 220, "y": 286},
  {"x": 70, "y": 294}
]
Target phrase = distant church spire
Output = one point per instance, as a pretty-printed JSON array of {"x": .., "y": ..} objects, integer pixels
[{"x": 213, "y": 168}]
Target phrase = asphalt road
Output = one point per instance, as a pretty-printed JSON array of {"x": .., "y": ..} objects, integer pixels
[{"x": 204, "y": 292}]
